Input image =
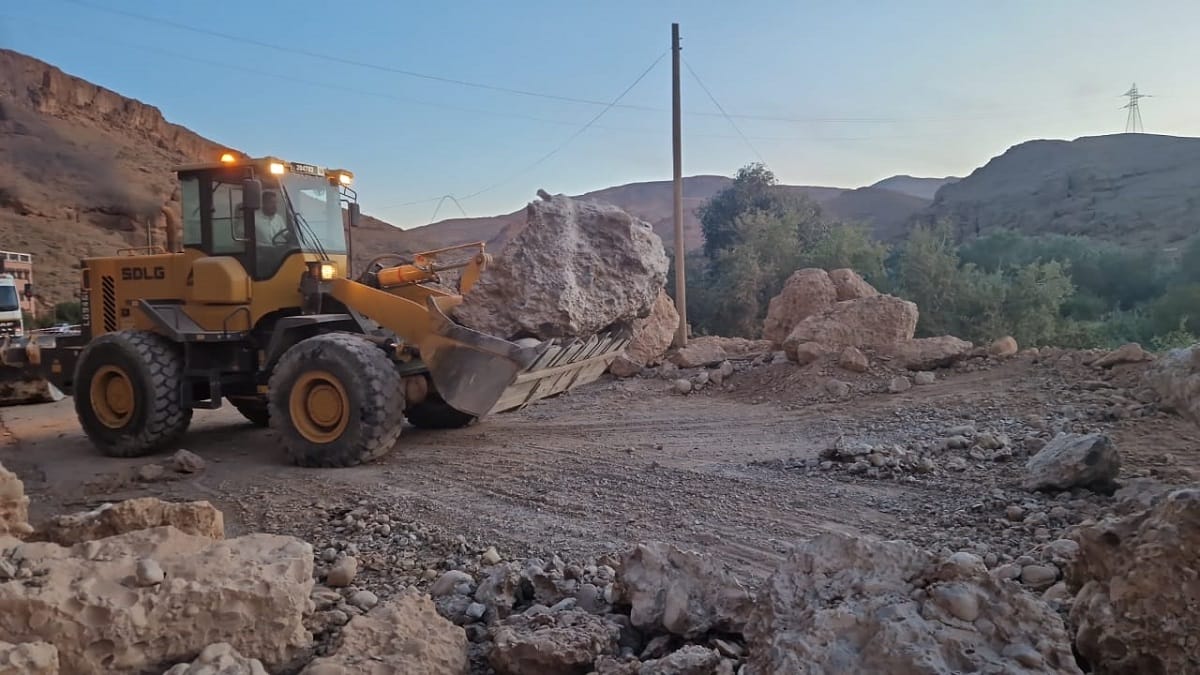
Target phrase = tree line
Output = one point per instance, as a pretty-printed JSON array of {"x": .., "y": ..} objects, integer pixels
[{"x": 1070, "y": 291}]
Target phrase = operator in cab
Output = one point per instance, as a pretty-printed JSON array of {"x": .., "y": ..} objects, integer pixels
[{"x": 269, "y": 223}]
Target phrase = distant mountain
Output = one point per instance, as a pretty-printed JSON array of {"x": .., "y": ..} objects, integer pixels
[
  {"x": 1135, "y": 189},
  {"x": 924, "y": 188},
  {"x": 888, "y": 213}
]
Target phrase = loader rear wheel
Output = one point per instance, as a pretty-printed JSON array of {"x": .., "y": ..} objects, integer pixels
[
  {"x": 127, "y": 393},
  {"x": 336, "y": 400},
  {"x": 435, "y": 413}
]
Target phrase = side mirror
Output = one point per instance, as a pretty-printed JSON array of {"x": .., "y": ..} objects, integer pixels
[
  {"x": 251, "y": 194},
  {"x": 355, "y": 214}
]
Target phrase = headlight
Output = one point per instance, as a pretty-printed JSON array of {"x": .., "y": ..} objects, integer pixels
[
  {"x": 328, "y": 271},
  {"x": 345, "y": 178},
  {"x": 276, "y": 168}
]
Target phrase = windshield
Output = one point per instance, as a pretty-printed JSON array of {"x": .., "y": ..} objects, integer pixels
[
  {"x": 9, "y": 302},
  {"x": 318, "y": 205}
]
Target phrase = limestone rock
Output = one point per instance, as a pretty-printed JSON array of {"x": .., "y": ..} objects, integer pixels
[
  {"x": 198, "y": 518},
  {"x": 1005, "y": 346},
  {"x": 850, "y": 286},
  {"x": 14, "y": 505},
  {"x": 852, "y": 359},
  {"x": 805, "y": 293},
  {"x": 251, "y": 592},
  {"x": 688, "y": 660},
  {"x": 653, "y": 334},
  {"x": 842, "y": 604},
  {"x": 559, "y": 643},
  {"x": 804, "y": 353},
  {"x": 930, "y": 353},
  {"x": 623, "y": 367},
  {"x": 681, "y": 592},
  {"x": 219, "y": 659},
  {"x": 877, "y": 321},
  {"x": 576, "y": 269},
  {"x": 28, "y": 658},
  {"x": 1175, "y": 377},
  {"x": 899, "y": 385},
  {"x": 924, "y": 378},
  {"x": 1136, "y": 590},
  {"x": 1127, "y": 353},
  {"x": 185, "y": 461},
  {"x": 342, "y": 573},
  {"x": 1073, "y": 460},
  {"x": 404, "y": 635}
]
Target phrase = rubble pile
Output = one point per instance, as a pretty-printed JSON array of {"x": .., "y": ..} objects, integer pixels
[
  {"x": 14, "y": 505},
  {"x": 1175, "y": 377},
  {"x": 576, "y": 269}
]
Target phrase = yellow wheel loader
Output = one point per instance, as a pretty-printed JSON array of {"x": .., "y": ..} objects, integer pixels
[{"x": 255, "y": 307}]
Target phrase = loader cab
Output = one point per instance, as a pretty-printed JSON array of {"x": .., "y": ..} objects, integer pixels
[{"x": 261, "y": 211}]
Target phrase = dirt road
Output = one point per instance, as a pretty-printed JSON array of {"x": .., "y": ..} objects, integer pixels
[{"x": 620, "y": 462}]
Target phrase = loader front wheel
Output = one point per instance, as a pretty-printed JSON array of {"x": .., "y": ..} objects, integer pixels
[
  {"x": 336, "y": 400},
  {"x": 435, "y": 413},
  {"x": 127, "y": 393},
  {"x": 254, "y": 410}
]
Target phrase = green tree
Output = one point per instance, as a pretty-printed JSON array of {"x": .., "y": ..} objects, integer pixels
[
  {"x": 1189, "y": 262},
  {"x": 1033, "y": 300},
  {"x": 847, "y": 245},
  {"x": 928, "y": 274},
  {"x": 69, "y": 312}
]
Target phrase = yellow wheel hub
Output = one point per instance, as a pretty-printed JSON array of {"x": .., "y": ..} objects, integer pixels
[
  {"x": 319, "y": 407},
  {"x": 112, "y": 397}
]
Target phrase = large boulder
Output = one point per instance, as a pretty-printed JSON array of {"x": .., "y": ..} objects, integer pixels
[
  {"x": 1136, "y": 590},
  {"x": 403, "y": 635},
  {"x": 134, "y": 601},
  {"x": 847, "y": 604},
  {"x": 850, "y": 286},
  {"x": 805, "y": 293},
  {"x": 1074, "y": 460},
  {"x": 555, "y": 643},
  {"x": 652, "y": 337},
  {"x": 14, "y": 505},
  {"x": 29, "y": 658},
  {"x": 199, "y": 518},
  {"x": 930, "y": 353},
  {"x": 680, "y": 592},
  {"x": 876, "y": 321},
  {"x": 1176, "y": 379},
  {"x": 577, "y": 268}
]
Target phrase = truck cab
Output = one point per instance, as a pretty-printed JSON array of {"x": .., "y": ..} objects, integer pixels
[{"x": 12, "y": 322}]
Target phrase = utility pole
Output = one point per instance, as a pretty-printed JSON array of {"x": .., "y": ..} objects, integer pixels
[
  {"x": 1133, "y": 121},
  {"x": 681, "y": 335}
]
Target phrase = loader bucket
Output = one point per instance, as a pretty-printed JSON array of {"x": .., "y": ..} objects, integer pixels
[
  {"x": 22, "y": 376},
  {"x": 480, "y": 374}
]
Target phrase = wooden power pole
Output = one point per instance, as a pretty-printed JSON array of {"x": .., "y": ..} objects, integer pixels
[{"x": 681, "y": 333}]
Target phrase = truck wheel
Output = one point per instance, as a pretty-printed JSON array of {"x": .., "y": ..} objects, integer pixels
[
  {"x": 336, "y": 400},
  {"x": 127, "y": 393},
  {"x": 435, "y": 413},
  {"x": 254, "y": 410}
]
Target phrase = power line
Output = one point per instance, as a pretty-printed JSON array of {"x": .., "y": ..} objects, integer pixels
[
  {"x": 720, "y": 108},
  {"x": 441, "y": 201},
  {"x": 1133, "y": 121}
]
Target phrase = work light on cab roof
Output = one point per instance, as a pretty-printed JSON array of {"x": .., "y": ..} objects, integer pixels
[{"x": 278, "y": 167}]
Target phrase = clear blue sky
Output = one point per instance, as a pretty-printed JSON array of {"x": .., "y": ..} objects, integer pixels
[{"x": 873, "y": 88}]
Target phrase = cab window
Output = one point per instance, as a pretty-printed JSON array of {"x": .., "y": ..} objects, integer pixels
[
  {"x": 228, "y": 228},
  {"x": 189, "y": 192}
]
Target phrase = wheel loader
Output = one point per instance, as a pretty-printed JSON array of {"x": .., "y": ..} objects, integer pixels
[{"x": 254, "y": 305}]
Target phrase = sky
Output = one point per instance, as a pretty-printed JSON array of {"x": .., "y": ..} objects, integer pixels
[{"x": 824, "y": 93}]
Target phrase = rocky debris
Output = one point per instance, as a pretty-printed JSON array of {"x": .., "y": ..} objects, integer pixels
[
  {"x": 1002, "y": 347},
  {"x": 683, "y": 387},
  {"x": 555, "y": 643},
  {"x": 899, "y": 384},
  {"x": 850, "y": 286},
  {"x": 852, "y": 359},
  {"x": 652, "y": 336},
  {"x": 1136, "y": 590},
  {"x": 148, "y": 572},
  {"x": 14, "y": 505},
  {"x": 219, "y": 659},
  {"x": 28, "y": 658},
  {"x": 842, "y": 604},
  {"x": 681, "y": 592},
  {"x": 837, "y": 388},
  {"x": 185, "y": 461},
  {"x": 342, "y": 573},
  {"x": 150, "y": 473},
  {"x": 1175, "y": 376},
  {"x": 622, "y": 366},
  {"x": 805, "y": 293},
  {"x": 876, "y": 321},
  {"x": 1127, "y": 353},
  {"x": 251, "y": 592},
  {"x": 403, "y": 635},
  {"x": 929, "y": 353},
  {"x": 577, "y": 268},
  {"x": 196, "y": 518},
  {"x": 1074, "y": 460},
  {"x": 924, "y": 378},
  {"x": 804, "y": 353},
  {"x": 710, "y": 350}
]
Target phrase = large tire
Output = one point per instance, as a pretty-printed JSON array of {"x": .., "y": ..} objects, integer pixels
[
  {"x": 254, "y": 410},
  {"x": 128, "y": 394},
  {"x": 336, "y": 400},
  {"x": 435, "y": 413}
]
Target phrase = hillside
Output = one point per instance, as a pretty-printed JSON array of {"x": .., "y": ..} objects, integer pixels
[
  {"x": 923, "y": 188},
  {"x": 1134, "y": 189}
]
